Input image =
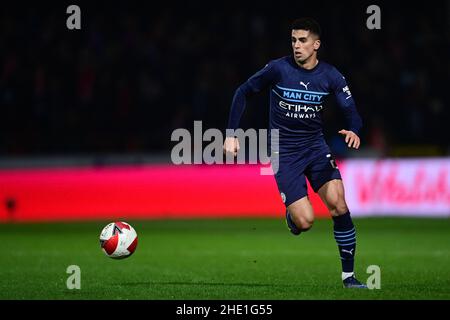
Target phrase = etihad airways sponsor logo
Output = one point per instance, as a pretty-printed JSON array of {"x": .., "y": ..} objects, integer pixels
[
  {"x": 300, "y": 111},
  {"x": 299, "y": 107}
]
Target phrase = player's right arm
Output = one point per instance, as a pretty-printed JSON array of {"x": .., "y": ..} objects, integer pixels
[{"x": 260, "y": 80}]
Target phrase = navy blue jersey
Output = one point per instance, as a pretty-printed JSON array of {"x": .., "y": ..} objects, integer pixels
[{"x": 296, "y": 100}]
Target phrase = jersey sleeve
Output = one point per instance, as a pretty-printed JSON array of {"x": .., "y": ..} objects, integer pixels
[
  {"x": 259, "y": 81},
  {"x": 345, "y": 101}
]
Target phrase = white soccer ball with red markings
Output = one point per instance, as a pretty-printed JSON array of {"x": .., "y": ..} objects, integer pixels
[{"x": 118, "y": 240}]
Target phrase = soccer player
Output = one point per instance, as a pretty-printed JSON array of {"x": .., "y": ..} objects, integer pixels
[{"x": 299, "y": 84}]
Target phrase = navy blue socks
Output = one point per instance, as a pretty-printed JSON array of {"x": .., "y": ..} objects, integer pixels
[{"x": 345, "y": 235}]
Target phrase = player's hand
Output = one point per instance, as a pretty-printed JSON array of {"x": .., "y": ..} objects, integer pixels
[
  {"x": 351, "y": 138},
  {"x": 231, "y": 145}
]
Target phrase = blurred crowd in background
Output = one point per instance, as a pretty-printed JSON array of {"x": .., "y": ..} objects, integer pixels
[{"x": 134, "y": 73}]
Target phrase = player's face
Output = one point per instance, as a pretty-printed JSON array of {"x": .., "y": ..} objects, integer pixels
[{"x": 304, "y": 45}]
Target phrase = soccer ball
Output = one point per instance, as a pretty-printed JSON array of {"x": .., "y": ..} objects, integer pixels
[{"x": 118, "y": 240}]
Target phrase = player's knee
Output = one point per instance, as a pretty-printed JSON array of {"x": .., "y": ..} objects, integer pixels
[
  {"x": 338, "y": 207},
  {"x": 302, "y": 215},
  {"x": 304, "y": 223}
]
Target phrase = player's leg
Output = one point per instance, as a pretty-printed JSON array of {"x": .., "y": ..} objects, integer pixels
[
  {"x": 325, "y": 179},
  {"x": 300, "y": 213},
  {"x": 333, "y": 195},
  {"x": 291, "y": 183}
]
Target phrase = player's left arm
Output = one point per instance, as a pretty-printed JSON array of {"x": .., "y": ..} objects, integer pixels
[{"x": 347, "y": 105}]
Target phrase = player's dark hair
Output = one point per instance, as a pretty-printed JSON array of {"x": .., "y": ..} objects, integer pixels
[{"x": 308, "y": 24}]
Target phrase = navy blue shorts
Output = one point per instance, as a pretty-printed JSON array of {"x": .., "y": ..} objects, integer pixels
[{"x": 294, "y": 167}]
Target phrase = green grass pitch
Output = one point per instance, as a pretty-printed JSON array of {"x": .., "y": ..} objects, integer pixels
[{"x": 225, "y": 259}]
